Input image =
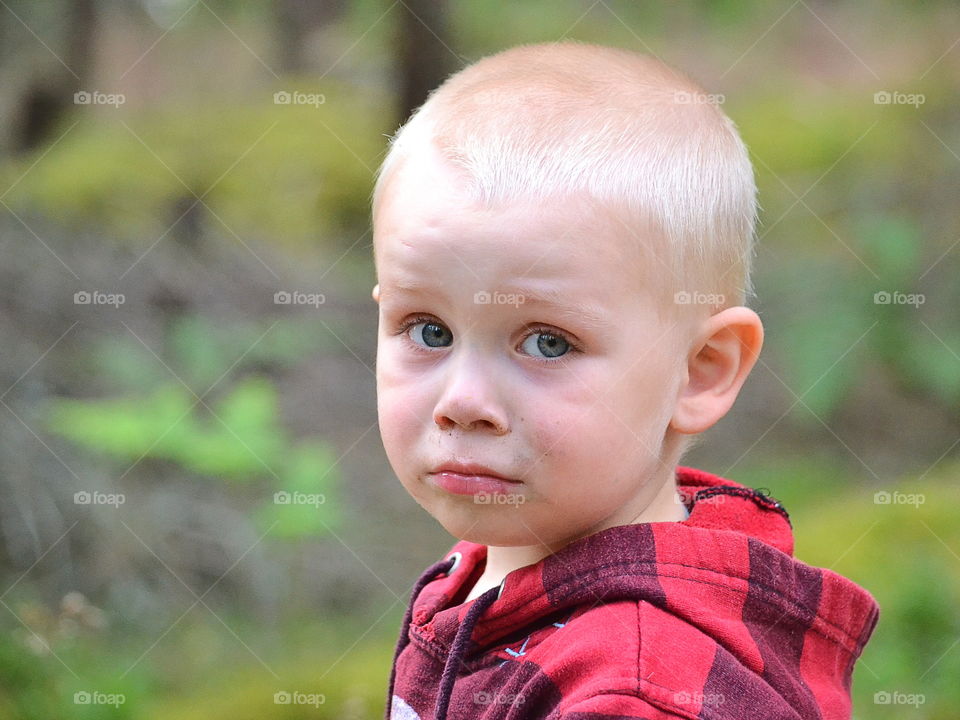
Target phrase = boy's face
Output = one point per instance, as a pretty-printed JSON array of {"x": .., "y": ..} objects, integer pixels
[{"x": 572, "y": 407}]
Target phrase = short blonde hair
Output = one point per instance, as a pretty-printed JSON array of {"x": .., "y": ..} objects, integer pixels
[{"x": 548, "y": 120}]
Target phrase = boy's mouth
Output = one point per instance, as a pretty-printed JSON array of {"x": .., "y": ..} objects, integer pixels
[
  {"x": 471, "y": 470},
  {"x": 471, "y": 479}
]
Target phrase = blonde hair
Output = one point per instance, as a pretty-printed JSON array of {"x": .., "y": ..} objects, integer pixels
[{"x": 549, "y": 120}]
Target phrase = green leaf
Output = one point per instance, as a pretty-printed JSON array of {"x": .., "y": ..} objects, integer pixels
[
  {"x": 305, "y": 503},
  {"x": 891, "y": 246},
  {"x": 932, "y": 366},
  {"x": 125, "y": 428}
]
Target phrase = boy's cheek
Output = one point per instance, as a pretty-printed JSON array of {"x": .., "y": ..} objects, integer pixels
[
  {"x": 403, "y": 416},
  {"x": 561, "y": 444},
  {"x": 392, "y": 370},
  {"x": 567, "y": 442},
  {"x": 396, "y": 417},
  {"x": 391, "y": 379}
]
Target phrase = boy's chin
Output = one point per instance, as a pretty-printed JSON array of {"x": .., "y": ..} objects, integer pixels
[{"x": 500, "y": 527}]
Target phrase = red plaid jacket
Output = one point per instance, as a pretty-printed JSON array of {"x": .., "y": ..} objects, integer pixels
[{"x": 707, "y": 618}]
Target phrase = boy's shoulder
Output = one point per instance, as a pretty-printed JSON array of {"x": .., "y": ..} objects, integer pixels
[
  {"x": 712, "y": 610},
  {"x": 631, "y": 653}
]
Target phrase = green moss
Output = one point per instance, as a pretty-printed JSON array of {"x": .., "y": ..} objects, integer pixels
[{"x": 297, "y": 172}]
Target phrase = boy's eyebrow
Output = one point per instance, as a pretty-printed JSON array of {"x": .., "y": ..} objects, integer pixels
[{"x": 550, "y": 297}]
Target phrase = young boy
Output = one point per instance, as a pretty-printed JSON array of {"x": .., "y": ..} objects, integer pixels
[{"x": 562, "y": 238}]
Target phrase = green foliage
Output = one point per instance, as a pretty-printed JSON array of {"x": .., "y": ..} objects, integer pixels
[
  {"x": 918, "y": 342},
  {"x": 827, "y": 323},
  {"x": 798, "y": 480},
  {"x": 726, "y": 12},
  {"x": 930, "y": 362},
  {"x": 890, "y": 245},
  {"x": 347, "y": 686},
  {"x": 906, "y": 555},
  {"x": 798, "y": 132},
  {"x": 236, "y": 437},
  {"x": 818, "y": 352},
  {"x": 205, "y": 348},
  {"x": 236, "y": 441},
  {"x": 299, "y": 509},
  {"x": 201, "y": 670},
  {"x": 293, "y": 171},
  {"x": 74, "y": 678},
  {"x": 26, "y": 691},
  {"x": 526, "y": 22}
]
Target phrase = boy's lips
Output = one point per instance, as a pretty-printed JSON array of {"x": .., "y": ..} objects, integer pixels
[
  {"x": 471, "y": 479},
  {"x": 471, "y": 470}
]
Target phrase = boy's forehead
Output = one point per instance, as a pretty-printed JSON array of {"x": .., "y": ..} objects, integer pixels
[
  {"x": 594, "y": 290},
  {"x": 526, "y": 266},
  {"x": 513, "y": 246},
  {"x": 530, "y": 261},
  {"x": 429, "y": 222},
  {"x": 417, "y": 182},
  {"x": 427, "y": 204},
  {"x": 425, "y": 189}
]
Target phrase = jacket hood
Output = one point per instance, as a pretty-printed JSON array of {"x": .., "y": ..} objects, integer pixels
[{"x": 727, "y": 570}]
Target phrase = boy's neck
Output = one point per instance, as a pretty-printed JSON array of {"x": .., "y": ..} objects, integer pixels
[{"x": 501, "y": 561}]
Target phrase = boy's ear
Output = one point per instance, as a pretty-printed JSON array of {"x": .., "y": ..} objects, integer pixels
[
  {"x": 376, "y": 292},
  {"x": 722, "y": 356}
]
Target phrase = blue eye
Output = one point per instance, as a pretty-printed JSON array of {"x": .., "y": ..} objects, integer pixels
[
  {"x": 549, "y": 344},
  {"x": 431, "y": 333},
  {"x": 543, "y": 344}
]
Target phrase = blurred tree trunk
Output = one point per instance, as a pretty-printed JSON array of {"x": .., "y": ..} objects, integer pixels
[
  {"x": 424, "y": 56},
  {"x": 81, "y": 39},
  {"x": 49, "y": 95}
]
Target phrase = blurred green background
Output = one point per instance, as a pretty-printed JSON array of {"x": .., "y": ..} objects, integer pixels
[{"x": 196, "y": 512}]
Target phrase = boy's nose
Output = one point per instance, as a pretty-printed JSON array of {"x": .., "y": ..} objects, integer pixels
[
  {"x": 470, "y": 412},
  {"x": 447, "y": 423}
]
